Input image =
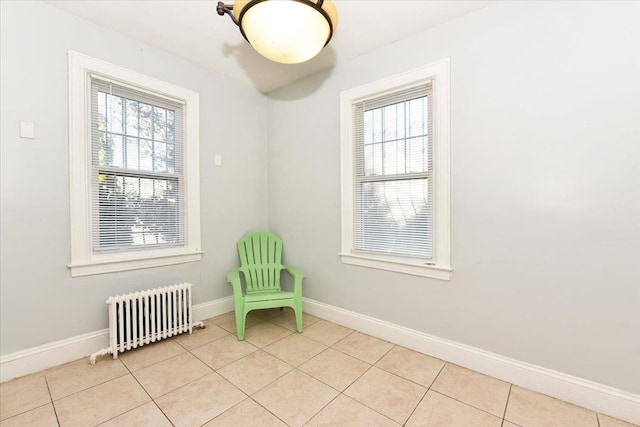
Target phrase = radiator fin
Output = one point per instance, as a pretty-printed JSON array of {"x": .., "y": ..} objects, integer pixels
[{"x": 148, "y": 316}]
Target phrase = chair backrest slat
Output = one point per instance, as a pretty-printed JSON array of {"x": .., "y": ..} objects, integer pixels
[{"x": 261, "y": 260}]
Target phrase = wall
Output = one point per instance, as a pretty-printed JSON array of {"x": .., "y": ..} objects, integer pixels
[
  {"x": 545, "y": 197},
  {"x": 40, "y": 302}
]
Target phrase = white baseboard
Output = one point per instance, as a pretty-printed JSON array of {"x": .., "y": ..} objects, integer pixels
[
  {"x": 51, "y": 354},
  {"x": 58, "y": 352},
  {"x": 212, "y": 308},
  {"x": 589, "y": 394},
  {"x": 585, "y": 393}
]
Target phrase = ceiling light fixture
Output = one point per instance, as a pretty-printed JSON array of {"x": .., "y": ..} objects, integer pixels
[{"x": 285, "y": 31}]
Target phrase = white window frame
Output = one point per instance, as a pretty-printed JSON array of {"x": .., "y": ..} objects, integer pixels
[
  {"x": 84, "y": 261},
  {"x": 438, "y": 73}
]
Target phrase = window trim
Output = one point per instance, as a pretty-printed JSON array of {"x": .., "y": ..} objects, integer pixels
[
  {"x": 441, "y": 267},
  {"x": 83, "y": 259}
]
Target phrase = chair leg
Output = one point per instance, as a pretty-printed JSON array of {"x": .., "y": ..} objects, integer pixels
[
  {"x": 240, "y": 320},
  {"x": 298, "y": 310}
]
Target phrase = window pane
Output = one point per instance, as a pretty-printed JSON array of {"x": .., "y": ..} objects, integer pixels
[
  {"x": 132, "y": 153},
  {"x": 160, "y": 157},
  {"x": 147, "y": 128},
  {"x": 390, "y": 158},
  {"x": 368, "y": 127},
  {"x": 101, "y": 124},
  {"x": 376, "y": 167},
  {"x": 399, "y": 134},
  {"x": 115, "y": 113},
  {"x": 394, "y": 217},
  {"x": 377, "y": 125},
  {"x": 416, "y": 117},
  {"x": 146, "y": 155},
  {"x": 159, "y": 124},
  {"x": 171, "y": 126},
  {"x": 136, "y": 211},
  {"x": 418, "y": 154},
  {"x": 389, "y": 121},
  {"x": 400, "y": 119},
  {"x": 117, "y": 159},
  {"x": 146, "y": 121},
  {"x": 132, "y": 117},
  {"x": 171, "y": 158},
  {"x": 139, "y": 204}
]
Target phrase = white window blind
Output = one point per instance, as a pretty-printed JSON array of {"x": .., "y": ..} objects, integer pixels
[
  {"x": 393, "y": 173},
  {"x": 137, "y": 169}
]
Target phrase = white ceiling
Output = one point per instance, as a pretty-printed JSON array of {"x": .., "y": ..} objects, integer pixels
[{"x": 194, "y": 31}]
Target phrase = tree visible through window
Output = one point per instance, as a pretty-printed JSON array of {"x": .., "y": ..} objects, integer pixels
[
  {"x": 137, "y": 169},
  {"x": 392, "y": 136},
  {"x": 134, "y": 169},
  {"x": 395, "y": 173}
]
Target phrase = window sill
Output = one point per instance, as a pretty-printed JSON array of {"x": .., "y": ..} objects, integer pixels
[
  {"x": 112, "y": 266},
  {"x": 432, "y": 271}
]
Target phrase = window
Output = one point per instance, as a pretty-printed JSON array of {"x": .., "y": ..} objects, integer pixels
[
  {"x": 133, "y": 170},
  {"x": 395, "y": 173}
]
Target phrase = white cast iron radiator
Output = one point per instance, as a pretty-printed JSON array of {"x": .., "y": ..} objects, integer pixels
[{"x": 147, "y": 316}]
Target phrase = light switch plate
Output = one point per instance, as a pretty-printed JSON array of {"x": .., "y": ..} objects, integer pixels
[
  {"x": 27, "y": 130},
  {"x": 217, "y": 160}
]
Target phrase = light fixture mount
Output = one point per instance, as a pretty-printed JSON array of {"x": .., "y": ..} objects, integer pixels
[{"x": 284, "y": 31}]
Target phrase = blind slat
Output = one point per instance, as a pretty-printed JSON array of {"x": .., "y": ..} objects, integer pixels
[
  {"x": 393, "y": 202},
  {"x": 137, "y": 168}
]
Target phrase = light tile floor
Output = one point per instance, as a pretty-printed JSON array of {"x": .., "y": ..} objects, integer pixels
[{"x": 327, "y": 376}]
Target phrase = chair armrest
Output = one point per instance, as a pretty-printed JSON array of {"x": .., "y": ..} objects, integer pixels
[
  {"x": 233, "y": 277},
  {"x": 297, "y": 279},
  {"x": 295, "y": 273}
]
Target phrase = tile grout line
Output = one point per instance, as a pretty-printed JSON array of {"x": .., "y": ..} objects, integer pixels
[
  {"x": 318, "y": 379},
  {"x": 288, "y": 363},
  {"x": 224, "y": 366},
  {"x": 371, "y": 365},
  {"x": 467, "y": 404},
  {"x": 425, "y": 393},
  {"x": 145, "y": 390},
  {"x": 416, "y": 407},
  {"x": 279, "y": 339},
  {"x": 504, "y": 413},
  {"x": 294, "y": 368},
  {"x": 437, "y": 375},
  {"x": 320, "y": 342},
  {"x": 55, "y": 412},
  {"x": 354, "y": 381},
  {"x": 4, "y": 420},
  {"x": 257, "y": 349},
  {"x": 248, "y": 396},
  {"x": 357, "y": 358},
  {"x": 159, "y": 361},
  {"x": 265, "y": 408},
  {"x": 321, "y": 409},
  {"x": 404, "y": 378},
  {"x": 186, "y": 384},
  {"x": 90, "y": 387}
]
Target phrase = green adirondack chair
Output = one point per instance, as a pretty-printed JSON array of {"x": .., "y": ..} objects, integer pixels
[{"x": 261, "y": 264}]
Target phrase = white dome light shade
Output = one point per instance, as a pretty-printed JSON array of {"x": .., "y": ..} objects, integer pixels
[{"x": 286, "y": 31}]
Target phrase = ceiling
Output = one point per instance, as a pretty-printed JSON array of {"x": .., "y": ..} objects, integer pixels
[{"x": 194, "y": 31}]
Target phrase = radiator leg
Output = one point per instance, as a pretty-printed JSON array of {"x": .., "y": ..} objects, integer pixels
[
  {"x": 102, "y": 352},
  {"x": 198, "y": 324}
]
